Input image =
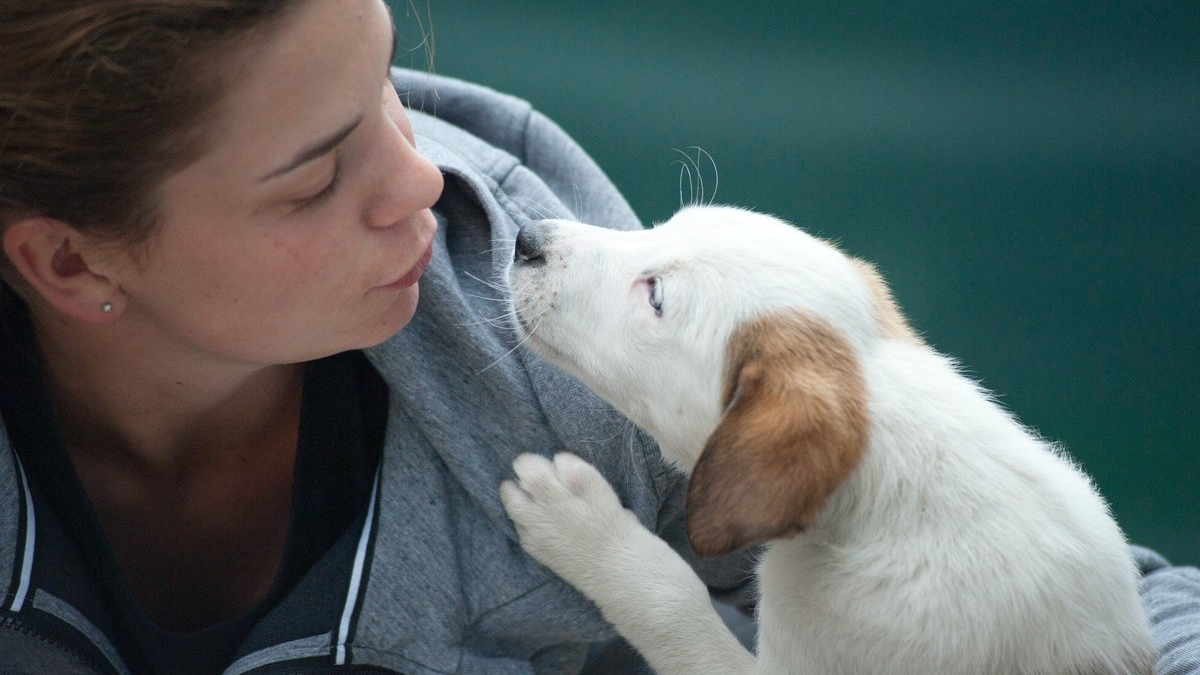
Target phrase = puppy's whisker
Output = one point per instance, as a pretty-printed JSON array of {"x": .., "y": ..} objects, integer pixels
[
  {"x": 685, "y": 166},
  {"x": 578, "y": 197},
  {"x": 484, "y": 297},
  {"x": 716, "y": 174},
  {"x": 497, "y": 322},
  {"x": 691, "y": 166},
  {"x": 635, "y": 437},
  {"x": 509, "y": 352},
  {"x": 538, "y": 210},
  {"x": 505, "y": 245},
  {"x": 702, "y": 198},
  {"x": 538, "y": 318},
  {"x": 685, "y": 169},
  {"x": 494, "y": 285}
]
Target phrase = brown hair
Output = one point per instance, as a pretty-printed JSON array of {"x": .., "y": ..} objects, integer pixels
[{"x": 101, "y": 100}]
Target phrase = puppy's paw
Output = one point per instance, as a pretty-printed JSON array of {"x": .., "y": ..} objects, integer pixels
[{"x": 565, "y": 512}]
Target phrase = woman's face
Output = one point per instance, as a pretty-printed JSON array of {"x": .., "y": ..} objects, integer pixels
[{"x": 302, "y": 230}]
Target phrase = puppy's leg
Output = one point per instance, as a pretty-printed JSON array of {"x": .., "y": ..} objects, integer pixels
[{"x": 569, "y": 518}]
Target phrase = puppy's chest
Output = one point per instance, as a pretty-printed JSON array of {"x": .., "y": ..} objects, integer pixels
[
  {"x": 818, "y": 615},
  {"x": 817, "y": 576}
]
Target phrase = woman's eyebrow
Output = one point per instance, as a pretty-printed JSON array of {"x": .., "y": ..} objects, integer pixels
[{"x": 315, "y": 150}]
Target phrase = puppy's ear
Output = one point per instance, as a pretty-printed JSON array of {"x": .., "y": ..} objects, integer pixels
[{"x": 793, "y": 429}]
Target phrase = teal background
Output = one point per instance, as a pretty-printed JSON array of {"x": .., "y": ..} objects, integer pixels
[{"x": 1025, "y": 174}]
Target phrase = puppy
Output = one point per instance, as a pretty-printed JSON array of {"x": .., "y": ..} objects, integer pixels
[{"x": 913, "y": 525}]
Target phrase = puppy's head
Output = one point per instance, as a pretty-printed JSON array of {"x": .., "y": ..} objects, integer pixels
[{"x": 735, "y": 339}]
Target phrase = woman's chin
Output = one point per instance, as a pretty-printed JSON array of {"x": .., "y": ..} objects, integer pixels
[{"x": 394, "y": 318}]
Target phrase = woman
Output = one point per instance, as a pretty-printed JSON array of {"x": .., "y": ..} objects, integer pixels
[
  {"x": 210, "y": 209},
  {"x": 231, "y": 441}
]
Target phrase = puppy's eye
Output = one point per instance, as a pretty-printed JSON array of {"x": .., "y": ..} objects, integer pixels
[{"x": 656, "y": 294}]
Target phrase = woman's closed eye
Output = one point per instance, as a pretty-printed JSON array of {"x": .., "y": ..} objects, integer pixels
[{"x": 325, "y": 191}]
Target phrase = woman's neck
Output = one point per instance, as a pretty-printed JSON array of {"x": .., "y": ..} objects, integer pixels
[
  {"x": 173, "y": 454},
  {"x": 131, "y": 401}
]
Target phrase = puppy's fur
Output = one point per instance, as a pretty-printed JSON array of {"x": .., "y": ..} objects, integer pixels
[{"x": 913, "y": 525}]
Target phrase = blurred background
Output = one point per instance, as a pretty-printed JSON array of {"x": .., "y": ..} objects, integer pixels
[{"x": 1025, "y": 174}]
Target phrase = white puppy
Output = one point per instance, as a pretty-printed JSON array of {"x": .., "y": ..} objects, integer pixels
[{"x": 914, "y": 525}]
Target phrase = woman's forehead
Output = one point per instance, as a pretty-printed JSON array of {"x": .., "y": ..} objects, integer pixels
[{"x": 308, "y": 77}]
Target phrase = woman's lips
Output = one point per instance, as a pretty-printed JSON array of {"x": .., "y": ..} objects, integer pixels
[{"x": 411, "y": 276}]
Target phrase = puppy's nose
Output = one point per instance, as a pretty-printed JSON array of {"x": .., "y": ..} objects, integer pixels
[{"x": 531, "y": 242}]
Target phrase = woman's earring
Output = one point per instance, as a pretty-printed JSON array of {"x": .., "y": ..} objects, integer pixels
[{"x": 106, "y": 307}]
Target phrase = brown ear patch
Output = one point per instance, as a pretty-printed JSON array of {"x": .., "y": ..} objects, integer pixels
[
  {"x": 794, "y": 427},
  {"x": 891, "y": 322}
]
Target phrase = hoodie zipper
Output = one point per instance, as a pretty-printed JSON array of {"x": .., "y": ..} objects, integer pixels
[{"x": 80, "y": 655}]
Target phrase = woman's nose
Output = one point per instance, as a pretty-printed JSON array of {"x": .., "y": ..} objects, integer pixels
[{"x": 408, "y": 182}]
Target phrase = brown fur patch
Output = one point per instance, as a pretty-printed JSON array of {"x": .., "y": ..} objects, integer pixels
[
  {"x": 891, "y": 322},
  {"x": 793, "y": 429}
]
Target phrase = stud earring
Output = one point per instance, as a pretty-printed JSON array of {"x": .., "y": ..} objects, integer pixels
[{"x": 106, "y": 307}]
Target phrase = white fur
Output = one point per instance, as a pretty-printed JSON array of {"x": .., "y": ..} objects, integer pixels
[{"x": 961, "y": 542}]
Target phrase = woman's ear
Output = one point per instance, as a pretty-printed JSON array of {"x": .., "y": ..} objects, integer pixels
[
  {"x": 794, "y": 427},
  {"x": 48, "y": 255}
]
